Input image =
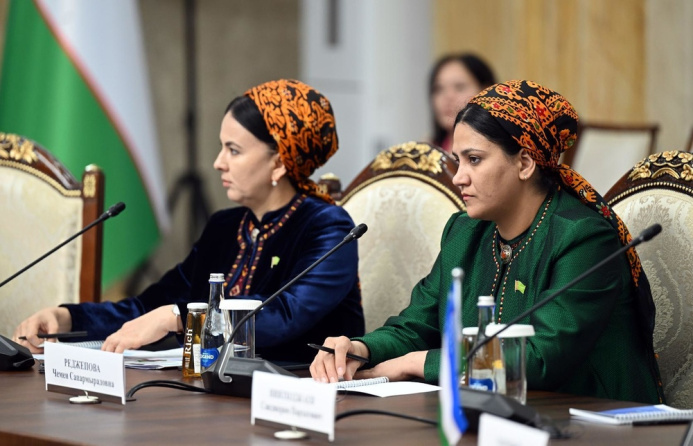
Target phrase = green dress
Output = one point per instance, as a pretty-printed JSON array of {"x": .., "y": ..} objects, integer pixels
[{"x": 587, "y": 341}]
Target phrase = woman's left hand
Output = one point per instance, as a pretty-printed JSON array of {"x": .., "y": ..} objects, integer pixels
[
  {"x": 148, "y": 328},
  {"x": 403, "y": 368}
]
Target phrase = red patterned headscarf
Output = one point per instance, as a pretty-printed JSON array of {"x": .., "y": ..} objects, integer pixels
[
  {"x": 301, "y": 121},
  {"x": 545, "y": 124}
]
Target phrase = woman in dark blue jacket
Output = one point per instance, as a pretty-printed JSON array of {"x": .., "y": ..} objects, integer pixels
[{"x": 272, "y": 139}]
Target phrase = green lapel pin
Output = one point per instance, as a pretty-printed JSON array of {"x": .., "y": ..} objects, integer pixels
[
  {"x": 275, "y": 261},
  {"x": 519, "y": 286}
]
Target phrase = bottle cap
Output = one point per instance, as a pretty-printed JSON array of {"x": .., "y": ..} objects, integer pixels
[
  {"x": 216, "y": 277},
  {"x": 197, "y": 306},
  {"x": 515, "y": 331},
  {"x": 486, "y": 301}
]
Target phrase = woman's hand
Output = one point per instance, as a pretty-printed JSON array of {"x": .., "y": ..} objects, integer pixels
[
  {"x": 328, "y": 367},
  {"x": 403, "y": 368},
  {"x": 148, "y": 328},
  {"x": 48, "y": 320}
]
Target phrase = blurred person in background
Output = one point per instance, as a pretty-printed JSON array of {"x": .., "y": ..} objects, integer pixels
[{"x": 454, "y": 80}]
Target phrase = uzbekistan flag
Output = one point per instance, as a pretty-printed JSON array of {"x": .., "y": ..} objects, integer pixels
[
  {"x": 452, "y": 420},
  {"x": 74, "y": 80}
]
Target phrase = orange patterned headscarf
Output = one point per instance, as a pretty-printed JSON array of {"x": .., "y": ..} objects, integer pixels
[
  {"x": 544, "y": 123},
  {"x": 301, "y": 121}
]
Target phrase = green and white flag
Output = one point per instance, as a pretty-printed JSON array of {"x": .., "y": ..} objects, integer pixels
[{"x": 74, "y": 79}]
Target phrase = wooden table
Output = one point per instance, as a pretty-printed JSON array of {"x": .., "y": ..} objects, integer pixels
[{"x": 31, "y": 416}]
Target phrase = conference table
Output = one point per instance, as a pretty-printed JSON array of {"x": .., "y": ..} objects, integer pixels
[{"x": 29, "y": 415}]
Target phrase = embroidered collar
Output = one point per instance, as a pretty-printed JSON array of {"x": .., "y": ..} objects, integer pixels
[{"x": 251, "y": 238}]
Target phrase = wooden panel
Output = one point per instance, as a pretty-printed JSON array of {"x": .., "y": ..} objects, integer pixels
[{"x": 591, "y": 51}]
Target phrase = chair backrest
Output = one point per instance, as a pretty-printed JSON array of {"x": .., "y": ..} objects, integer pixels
[
  {"x": 42, "y": 205},
  {"x": 405, "y": 196},
  {"x": 602, "y": 151},
  {"x": 659, "y": 189}
]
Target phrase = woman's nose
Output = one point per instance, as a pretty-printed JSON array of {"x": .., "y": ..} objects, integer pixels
[
  {"x": 218, "y": 164},
  {"x": 461, "y": 177}
]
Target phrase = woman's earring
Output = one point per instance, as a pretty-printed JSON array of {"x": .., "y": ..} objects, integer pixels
[{"x": 274, "y": 183}]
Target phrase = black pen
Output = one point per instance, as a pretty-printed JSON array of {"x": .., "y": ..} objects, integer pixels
[
  {"x": 331, "y": 350},
  {"x": 69, "y": 334},
  {"x": 663, "y": 421}
]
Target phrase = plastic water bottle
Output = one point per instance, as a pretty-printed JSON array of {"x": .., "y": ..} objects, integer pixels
[
  {"x": 215, "y": 331},
  {"x": 487, "y": 371}
]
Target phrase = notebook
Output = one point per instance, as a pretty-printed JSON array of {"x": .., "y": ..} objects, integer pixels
[
  {"x": 346, "y": 385},
  {"x": 660, "y": 413}
]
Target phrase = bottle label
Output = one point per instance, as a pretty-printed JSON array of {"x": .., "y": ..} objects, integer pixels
[
  {"x": 196, "y": 358},
  {"x": 208, "y": 356},
  {"x": 482, "y": 384}
]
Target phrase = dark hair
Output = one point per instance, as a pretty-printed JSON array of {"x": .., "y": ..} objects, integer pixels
[
  {"x": 487, "y": 126},
  {"x": 248, "y": 115},
  {"x": 476, "y": 66}
]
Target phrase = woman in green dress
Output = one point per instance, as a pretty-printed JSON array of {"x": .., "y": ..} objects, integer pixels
[{"x": 531, "y": 226}]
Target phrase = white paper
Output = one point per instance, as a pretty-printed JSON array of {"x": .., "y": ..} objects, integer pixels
[
  {"x": 497, "y": 431},
  {"x": 393, "y": 388},
  {"x": 387, "y": 389}
]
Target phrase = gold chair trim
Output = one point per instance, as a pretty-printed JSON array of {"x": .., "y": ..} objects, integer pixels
[
  {"x": 403, "y": 155},
  {"x": 674, "y": 163},
  {"x": 656, "y": 184},
  {"x": 28, "y": 169},
  {"x": 17, "y": 148}
]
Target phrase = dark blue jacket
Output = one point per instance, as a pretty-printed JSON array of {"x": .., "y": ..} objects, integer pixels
[{"x": 325, "y": 302}]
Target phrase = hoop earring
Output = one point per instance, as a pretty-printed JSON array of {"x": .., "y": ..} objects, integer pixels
[{"x": 274, "y": 183}]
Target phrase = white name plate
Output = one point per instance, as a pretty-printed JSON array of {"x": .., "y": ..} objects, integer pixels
[
  {"x": 84, "y": 370},
  {"x": 293, "y": 402},
  {"x": 496, "y": 431}
]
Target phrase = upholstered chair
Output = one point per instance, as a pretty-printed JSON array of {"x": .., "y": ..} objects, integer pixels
[
  {"x": 603, "y": 151},
  {"x": 405, "y": 196},
  {"x": 42, "y": 205},
  {"x": 659, "y": 189}
]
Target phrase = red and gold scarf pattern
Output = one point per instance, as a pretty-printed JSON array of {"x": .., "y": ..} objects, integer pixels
[
  {"x": 301, "y": 121},
  {"x": 545, "y": 124}
]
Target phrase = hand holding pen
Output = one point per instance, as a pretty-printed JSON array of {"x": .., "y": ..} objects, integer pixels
[
  {"x": 341, "y": 359},
  {"x": 331, "y": 350}
]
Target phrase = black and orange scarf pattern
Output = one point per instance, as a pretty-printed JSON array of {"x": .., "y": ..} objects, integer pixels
[{"x": 301, "y": 121}]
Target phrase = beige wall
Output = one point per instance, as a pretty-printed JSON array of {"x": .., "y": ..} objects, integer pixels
[
  {"x": 616, "y": 61},
  {"x": 669, "y": 56},
  {"x": 240, "y": 44}
]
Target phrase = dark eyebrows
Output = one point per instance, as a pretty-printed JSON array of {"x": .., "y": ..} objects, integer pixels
[
  {"x": 229, "y": 144},
  {"x": 470, "y": 150}
]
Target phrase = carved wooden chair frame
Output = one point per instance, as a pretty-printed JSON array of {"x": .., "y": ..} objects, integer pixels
[
  {"x": 23, "y": 154},
  {"x": 670, "y": 170},
  {"x": 418, "y": 160}
]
